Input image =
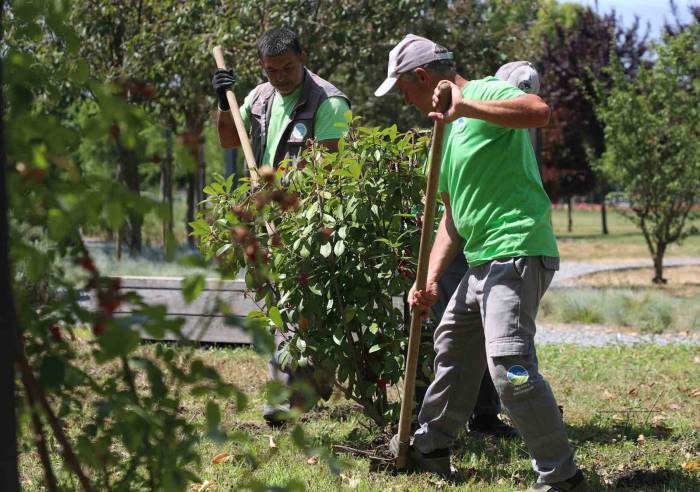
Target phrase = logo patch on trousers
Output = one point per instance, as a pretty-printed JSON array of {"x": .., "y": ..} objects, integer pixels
[{"x": 517, "y": 375}]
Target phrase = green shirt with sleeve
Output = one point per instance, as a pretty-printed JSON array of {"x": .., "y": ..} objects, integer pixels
[
  {"x": 329, "y": 120},
  {"x": 490, "y": 173}
]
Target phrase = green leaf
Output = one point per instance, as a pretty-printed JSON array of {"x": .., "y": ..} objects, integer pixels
[
  {"x": 115, "y": 214},
  {"x": 223, "y": 249},
  {"x": 339, "y": 248},
  {"x": 200, "y": 227},
  {"x": 192, "y": 287},
  {"x": 326, "y": 249},
  {"x": 117, "y": 341},
  {"x": 311, "y": 211},
  {"x": 52, "y": 371},
  {"x": 275, "y": 316}
]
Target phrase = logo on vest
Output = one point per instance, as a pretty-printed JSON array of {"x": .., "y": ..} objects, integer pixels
[
  {"x": 460, "y": 122},
  {"x": 298, "y": 132}
]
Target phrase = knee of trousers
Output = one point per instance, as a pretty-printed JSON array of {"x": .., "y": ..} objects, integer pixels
[{"x": 516, "y": 378}]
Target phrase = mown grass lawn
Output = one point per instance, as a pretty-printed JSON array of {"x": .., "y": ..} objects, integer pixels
[
  {"x": 624, "y": 241},
  {"x": 633, "y": 414}
]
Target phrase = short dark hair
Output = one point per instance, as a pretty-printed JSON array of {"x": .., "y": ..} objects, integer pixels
[
  {"x": 276, "y": 41},
  {"x": 441, "y": 67}
]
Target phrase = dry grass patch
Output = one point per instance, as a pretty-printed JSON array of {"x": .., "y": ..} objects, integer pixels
[{"x": 680, "y": 279}]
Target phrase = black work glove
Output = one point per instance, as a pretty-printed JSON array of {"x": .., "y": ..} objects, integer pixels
[{"x": 222, "y": 81}]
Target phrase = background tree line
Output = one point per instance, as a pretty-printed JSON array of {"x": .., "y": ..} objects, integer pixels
[{"x": 157, "y": 56}]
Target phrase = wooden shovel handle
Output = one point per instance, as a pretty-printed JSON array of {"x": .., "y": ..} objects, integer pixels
[
  {"x": 426, "y": 239},
  {"x": 238, "y": 120}
]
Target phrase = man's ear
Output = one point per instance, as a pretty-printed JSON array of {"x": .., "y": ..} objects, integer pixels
[
  {"x": 422, "y": 75},
  {"x": 302, "y": 57}
]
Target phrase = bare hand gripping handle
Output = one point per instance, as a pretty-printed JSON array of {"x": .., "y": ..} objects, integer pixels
[{"x": 409, "y": 380}]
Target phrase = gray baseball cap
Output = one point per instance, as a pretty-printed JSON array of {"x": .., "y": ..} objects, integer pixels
[
  {"x": 521, "y": 74},
  {"x": 411, "y": 52}
]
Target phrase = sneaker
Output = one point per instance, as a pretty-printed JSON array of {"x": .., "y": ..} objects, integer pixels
[
  {"x": 437, "y": 461},
  {"x": 577, "y": 483},
  {"x": 491, "y": 425}
]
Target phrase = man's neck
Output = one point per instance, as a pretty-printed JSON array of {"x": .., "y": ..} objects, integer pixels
[{"x": 460, "y": 81}]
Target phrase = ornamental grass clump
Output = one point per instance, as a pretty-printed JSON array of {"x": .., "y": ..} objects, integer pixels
[{"x": 328, "y": 244}]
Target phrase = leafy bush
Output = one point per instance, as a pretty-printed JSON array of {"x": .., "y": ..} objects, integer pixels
[{"x": 343, "y": 247}]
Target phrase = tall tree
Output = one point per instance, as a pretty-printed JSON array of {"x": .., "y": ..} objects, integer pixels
[
  {"x": 9, "y": 479},
  {"x": 653, "y": 141},
  {"x": 576, "y": 51},
  {"x": 105, "y": 30},
  {"x": 174, "y": 54}
]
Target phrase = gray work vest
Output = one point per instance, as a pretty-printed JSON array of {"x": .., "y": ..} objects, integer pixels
[{"x": 293, "y": 138}]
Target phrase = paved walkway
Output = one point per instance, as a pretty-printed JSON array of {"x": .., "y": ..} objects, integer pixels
[{"x": 572, "y": 269}]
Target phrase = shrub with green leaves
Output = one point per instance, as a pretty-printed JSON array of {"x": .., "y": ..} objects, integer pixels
[{"x": 337, "y": 247}]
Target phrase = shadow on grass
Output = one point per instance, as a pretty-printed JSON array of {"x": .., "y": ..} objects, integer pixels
[
  {"x": 600, "y": 431},
  {"x": 493, "y": 453}
]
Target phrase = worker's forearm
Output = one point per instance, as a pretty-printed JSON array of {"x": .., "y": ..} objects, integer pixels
[
  {"x": 228, "y": 135},
  {"x": 528, "y": 111},
  {"x": 447, "y": 245}
]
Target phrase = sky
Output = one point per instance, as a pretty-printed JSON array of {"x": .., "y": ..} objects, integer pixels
[{"x": 652, "y": 11}]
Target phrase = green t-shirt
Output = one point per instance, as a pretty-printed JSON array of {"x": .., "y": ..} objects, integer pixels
[
  {"x": 490, "y": 173},
  {"x": 329, "y": 120}
]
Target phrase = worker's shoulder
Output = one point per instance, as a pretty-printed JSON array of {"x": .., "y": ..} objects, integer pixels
[
  {"x": 490, "y": 87},
  {"x": 328, "y": 88}
]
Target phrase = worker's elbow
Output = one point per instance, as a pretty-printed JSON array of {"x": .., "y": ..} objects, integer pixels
[{"x": 542, "y": 113}]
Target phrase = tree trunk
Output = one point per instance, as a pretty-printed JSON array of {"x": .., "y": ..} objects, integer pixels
[
  {"x": 201, "y": 180},
  {"x": 659, "y": 264},
  {"x": 9, "y": 476},
  {"x": 166, "y": 184},
  {"x": 604, "y": 216},
  {"x": 569, "y": 217},
  {"x": 129, "y": 175},
  {"x": 193, "y": 142},
  {"x": 190, "y": 208}
]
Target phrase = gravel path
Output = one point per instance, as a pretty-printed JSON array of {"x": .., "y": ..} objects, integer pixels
[
  {"x": 572, "y": 269},
  {"x": 597, "y": 336}
]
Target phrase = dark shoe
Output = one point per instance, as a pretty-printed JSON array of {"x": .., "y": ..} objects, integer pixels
[
  {"x": 437, "y": 461},
  {"x": 491, "y": 425},
  {"x": 577, "y": 483},
  {"x": 276, "y": 416}
]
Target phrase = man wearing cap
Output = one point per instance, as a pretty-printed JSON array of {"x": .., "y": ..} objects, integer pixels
[
  {"x": 484, "y": 418},
  {"x": 497, "y": 212},
  {"x": 283, "y": 114}
]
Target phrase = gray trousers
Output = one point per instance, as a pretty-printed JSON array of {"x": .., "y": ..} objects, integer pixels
[
  {"x": 487, "y": 401},
  {"x": 490, "y": 322}
]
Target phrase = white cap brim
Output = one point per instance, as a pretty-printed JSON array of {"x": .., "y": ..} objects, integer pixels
[{"x": 385, "y": 87}]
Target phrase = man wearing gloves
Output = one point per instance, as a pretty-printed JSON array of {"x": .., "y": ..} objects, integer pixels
[
  {"x": 497, "y": 213},
  {"x": 282, "y": 115}
]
